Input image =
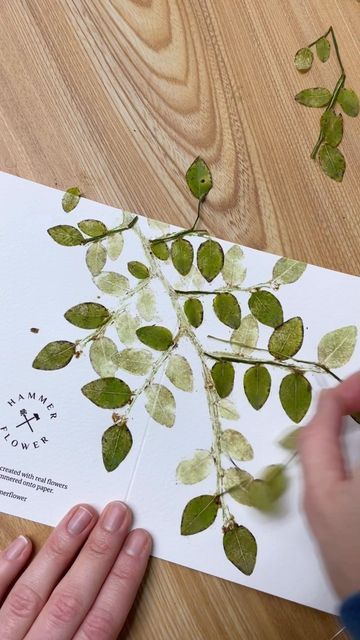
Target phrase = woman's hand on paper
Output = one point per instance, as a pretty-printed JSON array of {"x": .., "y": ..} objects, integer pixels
[
  {"x": 82, "y": 583},
  {"x": 332, "y": 494}
]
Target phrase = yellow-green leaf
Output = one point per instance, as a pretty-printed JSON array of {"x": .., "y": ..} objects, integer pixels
[
  {"x": 179, "y": 372},
  {"x": 247, "y": 334},
  {"x": 198, "y": 178},
  {"x": 227, "y": 309},
  {"x": 264, "y": 492},
  {"x": 332, "y": 162},
  {"x": 107, "y": 393},
  {"x": 92, "y": 228},
  {"x": 71, "y": 199},
  {"x": 257, "y": 385},
  {"x": 286, "y": 340},
  {"x": 87, "y": 315},
  {"x": 138, "y": 270},
  {"x": 323, "y": 49},
  {"x": 332, "y": 127},
  {"x": 337, "y": 347},
  {"x": 146, "y": 304},
  {"x": 266, "y": 308},
  {"x": 316, "y": 97},
  {"x": 237, "y": 483},
  {"x": 303, "y": 59},
  {"x": 223, "y": 374},
  {"x": 210, "y": 259},
  {"x": 116, "y": 444},
  {"x": 289, "y": 441},
  {"x": 194, "y": 311},
  {"x": 156, "y": 337},
  {"x": 102, "y": 357},
  {"x": 136, "y": 361},
  {"x": 199, "y": 514},
  {"x": 349, "y": 102},
  {"x": 240, "y": 548},
  {"x": 115, "y": 244},
  {"x": 196, "y": 469},
  {"x": 66, "y": 235},
  {"x": 234, "y": 271},
  {"x": 95, "y": 258},
  {"x": 236, "y": 445},
  {"x": 112, "y": 283},
  {"x": 182, "y": 255},
  {"x": 54, "y": 355},
  {"x": 286, "y": 271},
  {"x": 160, "y": 404},
  {"x": 160, "y": 250},
  {"x": 295, "y": 396}
]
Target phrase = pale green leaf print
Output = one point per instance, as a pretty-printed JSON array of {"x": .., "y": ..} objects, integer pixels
[
  {"x": 160, "y": 404},
  {"x": 158, "y": 225},
  {"x": 71, "y": 199},
  {"x": 234, "y": 271},
  {"x": 337, "y": 347},
  {"x": 102, "y": 354},
  {"x": 228, "y": 410},
  {"x": 96, "y": 258},
  {"x": 115, "y": 245},
  {"x": 126, "y": 326},
  {"x": 179, "y": 372},
  {"x": 146, "y": 305},
  {"x": 236, "y": 445},
  {"x": 112, "y": 283},
  {"x": 286, "y": 271},
  {"x": 136, "y": 361},
  {"x": 247, "y": 334},
  {"x": 290, "y": 439},
  {"x": 237, "y": 483},
  {"x": 196, "y": 469}
]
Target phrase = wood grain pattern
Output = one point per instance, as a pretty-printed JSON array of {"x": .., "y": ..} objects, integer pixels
[{"x": 119, "y": 96}]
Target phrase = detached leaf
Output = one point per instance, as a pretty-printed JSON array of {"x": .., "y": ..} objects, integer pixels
[
  {"x": 196, "y": 469},
  {"x": 87, "y": 315},
  {"x": 71, "y": 199},
  {"x": 237, "y": 483},
  {"x": 199, "y": 514},
  {"x": 95, "y": 258},
  {"x": 54, "y": 355},
  {"x": 116, "y": 444},
  {"x": 182, "y": 255},
  {"x": 138, "y": 270},
  {"x": 66, "y": 235},
  {"x": 236, "y": 445},
  {"x": 210, "y": 259},
  {"x": 287, "y": 339},
  {"x": 198, "y": 178},
  {"x": 112, "y": 283},
  {"x": 266, "y": 308},
  {"x": 331, "y": 126},
  {"x": 337, "y": 347},
  {"x": 240, "y": 548},
  {"x": 266, "y": 491},
  {"x": 227, "y": 309},
  {"x": 303, "y": 59},
  {"x": 247, "y": 334},
  {"x": 332, "y": 162},
  {"x": 115, "y": 244},
  {"x": 156, "y": 337},
  {"x": 160, "y": 250},
  {"x": 323, "y": 49},
  {"x": 287, "y": 271},
  {"x": 223, "y": 374},
  {"x": 126, "y": 326},
  {"x": 136, "y": 361},
  {"x": 102, "y": 354},
  {"x": 179, "y": 372},
  {"x": 290, "y": 440},
  {"x": 257, "y": 385},
  {"x": 233, "y": 271},
  {"x": 194, "y": 311},
  {"x": 295, "y": 396},
  {"x": 146, "y": 304},
  {"x": 349, "y": 102},
  {"x": 316, "y": 97},
  {"x": 160, "y": 404},
  {"x": 227, "y": 409},
  {"x": 92, "y": 228},
  {"x": 107, "y": 393}
]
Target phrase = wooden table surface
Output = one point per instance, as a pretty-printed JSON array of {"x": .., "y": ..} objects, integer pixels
[{"x": 118, "y": 96}]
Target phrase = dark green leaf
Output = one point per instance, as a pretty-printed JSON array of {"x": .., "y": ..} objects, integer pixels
[
  {"x": 182, "y": 255},
  {"x": 316, "y": 97},
  {"x": 332, "y": 162},
  {"x": 160, "y": 250},
  {"x": 194, "y": 311},
  {"x": 108, "y": 393},
  {"x": 257, "y": 384},
  {"x": 210, "y": 259},
  {"x": 323, "y": 49},
  {"x": 266, "y": 308},
  {"x": 138, "y": 270},
  {"x": 54, "y": 355},
  {"x": 198, "y": 179},
  {"x": 349, "y": 102},
  {"x": 71, "y": 199},
  {"x": 303, "y": 59},
  {"x": 87, "y": 315},
  {"x": 332, "y": 128},
  {"x": 295, "y": 396},
  {"x": 66, "y": 235},
  {"x": 223, "y": 374},
  {"x": 290, "y": 440},
  {"x": 286, "y": 340},
  {"x": 240, "y": 548},
  {"x": 227, "y": 309},
  {"x": 158, "y": 338},
  {"x": 199, "y": 514},
  {"x": 92, "y": 228},
  {"x": 116, "y": 444}
]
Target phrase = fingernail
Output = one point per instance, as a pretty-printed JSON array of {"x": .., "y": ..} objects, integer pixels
[
  {"x": 114, "y": 516},
  {"x": 137, "y": 543},
  {"x": 16, "y": 548},
  {"x": 79, "y": 521}
]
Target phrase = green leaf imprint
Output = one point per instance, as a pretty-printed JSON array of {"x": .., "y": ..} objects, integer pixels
[
  {"x": 71, "y": 199},
  {"x": 146, "y": 304},
  {"x": 116, "y": 444},
  {"x": 112, "y": 283},
  {"x": 87, "y": 315},
  {"x": 160, "y": 250},
  {"x": 66, "y": 235},
  {"x": 316, "y": 97},
  {"x": 199, "y": 514},
  {"x": 107, "y": 393},
  {"x": 240, "y": 548},
  {"x": 179, "y": 372},
  {"x": 247, "y": 334},
  {"x": 332, "y": 162},
  {"x": 257, "y": 385},
  {"x": 227, "y": 309},
  {"x": 156, "y": 337},
  {"x": 295, "y": 396},
  {"x": 266, "y": 308},
  {"x": 227, "y": 409},
  {"x": 136, "y": 361},
  {"x": 92, "y": 228},
  {"x": 233, "y": 271},
  {"x": 236, "y": 445},
  {"x": 337, "y": 347},
  {"x": 198, "y": 178},
  {"x": 138, "y": 270},
  {"x": 196, "y": 469},
  {"x": 54, "y": 355},
  {"x": 323, "y": 49},
  {"x": 331, "y": 126},
  {"x": 95, "y": 258},
  {"x": 160, "y": 404},
  {"x": 349, "y": 102},
  {"x": 303, "y": 59},
  {"x": 210, "y": 259},
  {"x": 290, "y": 440},
  {"x": 115, "y": 244},
  {"x": 237, "y": 483},
  {"x": 287, "y": 271},
  {"x": 126, "y": 326},
  {"x": 194, "y": 311},
  {"x": 102, "y": 357},
  {"x": 287, "y": 339},
  {"x": 223, "y": 374},
  {"x": 182, "y": 255}
]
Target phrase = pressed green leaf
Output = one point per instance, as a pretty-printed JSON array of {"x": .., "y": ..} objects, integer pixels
[
  {"x": 71, "y": 199},
  {"x": 95, "y": 258},
  {"x": 199, "y": 514},
  {"x": 323, "y": 49},
  {"x": 337, "y": 347},
  {"x": 234, "y": 271},
  {"x": 160, "y": 250},
  {"x": 194, "y": 311},
  {"x": 332, "y": 162},
  {"x": 136, "y": 361},
  {"x": 236, "y": 445},
  {"x": 264, "y": 492},
  {"x": 112, "y": 283},
  {"x": 286, "y": 271},
  {"x": 289, "y": 441},
  {"x": 247, "y": 334},
  {"x": 303, "y": 59},
  {"x": 156, "y": 337},
  {"x": 227, "y": 409},
  {"x": 66, "y": 235},
  {"x": 115, "y": 244},
  {"x": 316, "y": 97},
  {"x": 266, "y": 308},
  {"x": 102, "y": 354},
  {"x": 54, "y": 355},
  {"x": 160, "y": 404},
  {"x": 349, "y": 102},
  {"x": 92, "y": 228},
  {"x": 260, "y": 496},
  {"x": 116, "y": 444},
  {"x": 87, "y": 315},
  {"x": 332, "y": 127},
  {"x": 227, "y": 309},
  {"x": 126, "y": 326},
  {"x": 223, "y": 374},
  {"x": 237, "y": 483},
  {"x": 295, "y": 396},
  {"x": 197, "y": 279},
  {"x": 107, "y": 393},
  {"x": 257, "y": 385},
  {"x": 179, "y": 372},
  {"x": 146, "y": 304},
  {"x": 240, "y": 548},
  {"x": 198, "y": 178},
  {"x": 182, "y": 255},
  {"x": 286, "y": 340},
  {"x": 138, "y": 270},
  {"x": 210, "y": 259},
  {"x": 196, "y": 469}
]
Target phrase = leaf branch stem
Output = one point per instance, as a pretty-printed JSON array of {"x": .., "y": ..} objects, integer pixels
[
  {"x": 112, "y": 231},
  {"x": 200, "y": 292}
]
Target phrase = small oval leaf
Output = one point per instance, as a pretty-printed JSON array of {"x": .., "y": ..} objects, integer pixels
[
  {"x": 138, "y": 270},
  {"x": 54, "y": 355},
  {"x": 266, "y": 308},
  {"x": 194, "y": 311},
  {"x": 71, "y": 199},
  {"x": 160, "y": 404},
  {"x": 107, "y": 393},
  {"x": 289, "y": 441},
  {"x": 126, "y": 326},
  {"x": 115, "y": 244},
  {"x": 247, "y": 334},
  {"x": 234, "y": 271},
  {"x": 196, "y": 469},
  {"x": 179, "y": 372},
  {"x": 146, "y": 304},
  {"x": 337, "y": 347},
  {"x": 240, "y": 548},
  {"x": 96, "y": 258},
  {"x": 227, "y": 409},
  {"x": 287, "y": 271},
  {"x": 199, "y": 514},
  {"x": 156, "y": 337},
  {"x": 295, "y": 396},
  {"x": 287, "y": 339},
  {"x": 210, "y": 259},
  {"x": 331, "y": 126},
  {"x": 87, "y": 315},
  {"x": 198, "y": 178},
  {"x": 182, "y": 255},
  {"x": 349, "y": 102},
  {"x": 332, "y": 162},
  {"x": 303, "y": 59},
  {"x": 227, "y": 309},
  {"x": 66, "y": 235},
  {"x": 160, "y": 250},
  {"x": 112, "y": 283},
  {"x": 323, "y": 49},
  {"x": 236, "y": 445},
  {"x": 257, "y": 385},
  {"x": 92, "y": 228},
  {"x": 116, "y": 444},
  {"x": 266, "y": 491},
  {"x": 223, "y": 374},
  {"x": 237, "y": 483},
  {"x": 316, "y": 97},
  {"x": 102, "y": 354},
  {"x": 136, "y": 361}
]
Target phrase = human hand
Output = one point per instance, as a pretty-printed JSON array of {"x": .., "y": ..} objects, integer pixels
[
  {"x": 331, "y": 497},
  {"x": 67, "y": 595}
]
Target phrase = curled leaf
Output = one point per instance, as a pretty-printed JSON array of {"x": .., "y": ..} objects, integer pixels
[
  {"x": 303, "y": 59},
  {"x": 286, "y": 271},
  {"x": 66, "y": 235},
  {"x": 179, "y": 372},
  {"x": 71, "y": 199},
  {"x": 136, "y": 361},
  {"x": 160, "y": 404},
  {"x": 234, "y": 271},
  {"x": 332, "y": 162},
  {"x": 92, "y": 228},
  {"x": 257, "y": 385},
  {"x": 95, "y": 258},
  {"x": 349, "y": 102},
  {"x": 240, "y": 548},
  {"x": 156, "y": 337},
  {"x": 194, "y": 311},
  {"x": 138, "y": 270},
  {"x": 102, "y": 354},
  {"x": 199, "y": 514},
  {"x": 316, "y": 97},
  {"x": 198, "y": 178},
  {"x": 295, "y": 396},
  {"x": 210, "y": 259},
  {"x": 227, "y": 309},
  {"x": 54, "y": 355},
  {"x": 236, "y": 445},
  {"x": 182, "y": 255},
  {"x": 87, "y": 315},
  {"x": 196, "y": 469},
  {"x": 287, "y": 339},
  {"x": 223, "y": 374},
  {"x": 112, "y": 283},
  {"x": 323, "y": 49},
  {"x": 116, "y": 444},
  {"x": 331, "y": 126},
  {"x": 247, "y": 334},
  {"x": 107, "y": 393},
  {"x": 337, "y": 347},
  {"x": 266, "y": 308}
]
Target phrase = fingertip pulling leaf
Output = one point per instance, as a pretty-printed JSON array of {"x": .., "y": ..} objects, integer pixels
[
  {"x": 332, "y": 162},
  {"x": 194, "y": 311},
  {"x": 156, "y": 337},
  {"x": 95, "y": 258},
  {"x": 198, "y": 178},
  {"x": 71, "y": 199},
  {"x": 316, "y": 97},
  {"x": 87, "y": 315},
  {"x": 323, "y": 49},
  {"x": 160, "y": 404},
  {"x": 112, "y": 283},
  {"x": 210, "y": 259},
  {"x": 182, "y": 255},
  {"x": 247, "y": 334},
  {"x": 303, "y": 59},
  {"x": 234, "y": 271},
  {"x": 349, "y": 102},
  {"x": 332, "y": 128},
  {"x": 92, "y": 228},
  {"x": 337, "y": 347},
  {"x": 236, "y": 445},
  {"x": 295, "y": 396},
  {"x": 196, "y": 469},
  {"x": 240, "y": 548},
  {"x": 199, "y": 514},
  {"x": 138, "y": 270},
  {"x": 227, "y": 309},
  {"x": 102, "y": 353},
  {"x": 66, "y": 235},
  {"x": 160, "y": 250},
  {"x": 223, "y": 374},
  {"x": 179, "y": 372},
  {"x": 286, "y": 340},
  {"x": 107, "y": 393},
  {"x": 287, "y": 271},
  {"x": 266, "y": 308},
  {"x": 237, "y": 483},
  {"x": 116, "y": 444},
  {"x": 257, "y": 385},
  {"x": 54, "y": 355}
]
